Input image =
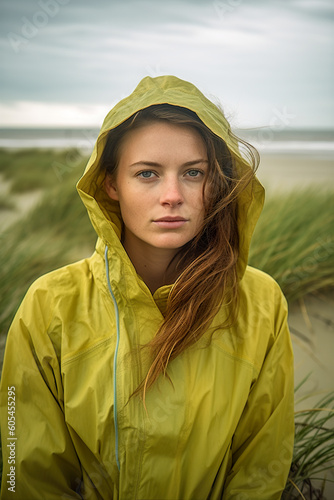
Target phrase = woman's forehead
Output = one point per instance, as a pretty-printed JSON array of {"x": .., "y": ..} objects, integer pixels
[{"x": 161, "y": 137}]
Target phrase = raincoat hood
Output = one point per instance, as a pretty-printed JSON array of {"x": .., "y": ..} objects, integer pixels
[{"x": 105, "y": 213}]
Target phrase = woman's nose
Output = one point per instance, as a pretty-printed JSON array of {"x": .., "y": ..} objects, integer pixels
[{"x": 171, "y": 193}]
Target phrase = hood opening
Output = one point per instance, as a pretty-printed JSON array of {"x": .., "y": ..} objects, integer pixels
[{"x": 105, "y": 213}]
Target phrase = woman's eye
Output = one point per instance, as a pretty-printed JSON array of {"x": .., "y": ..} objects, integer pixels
[
  {"x": 194, "y": 173},
  {"x": 146, "y": 174}
]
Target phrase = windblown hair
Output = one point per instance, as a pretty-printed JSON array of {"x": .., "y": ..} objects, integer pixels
[{"x": 207, "y": 265}]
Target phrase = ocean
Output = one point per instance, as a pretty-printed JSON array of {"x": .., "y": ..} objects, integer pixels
[{"x": 266, "y": 140}]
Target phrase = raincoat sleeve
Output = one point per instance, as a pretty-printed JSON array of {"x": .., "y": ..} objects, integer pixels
[
  {"x": 262, "y": 446},
  {"x": 39, "y": 460}
]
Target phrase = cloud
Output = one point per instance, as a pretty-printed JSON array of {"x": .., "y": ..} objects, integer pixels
[
  {"x": 252, "y": 55},
  {"x": 35, "y": 114}
]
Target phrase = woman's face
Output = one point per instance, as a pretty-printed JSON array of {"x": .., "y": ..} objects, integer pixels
[{"x": 159, "y": 185}]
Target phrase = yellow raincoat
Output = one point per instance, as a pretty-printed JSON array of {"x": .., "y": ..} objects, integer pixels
[{"x": 223, "y": 430}]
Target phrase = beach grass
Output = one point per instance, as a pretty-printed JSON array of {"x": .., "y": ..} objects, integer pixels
[
  {"x": 313, "y": 454},
  {"x": 33, "y": 169},
  {"x": 6, "y": 203},
  {"x": 54, "y": 233},
  {"x": 294, "y": 241}
]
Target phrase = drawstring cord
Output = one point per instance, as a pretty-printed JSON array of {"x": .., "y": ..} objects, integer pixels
[{"x": 115, "y": 355}]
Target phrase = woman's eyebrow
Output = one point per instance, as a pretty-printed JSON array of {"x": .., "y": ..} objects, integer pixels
[{"x": 155, "y": 164}]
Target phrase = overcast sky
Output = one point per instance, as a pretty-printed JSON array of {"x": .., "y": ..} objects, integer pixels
[{"x": 66, "y": 62}]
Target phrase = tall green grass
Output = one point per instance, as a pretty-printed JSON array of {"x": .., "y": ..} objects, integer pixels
[
  {"x": 6, "y": 203},
  {"x": 313, "y": 455},
  {"x": 56, "y": 232},
  {"x": 294, "y": 241},
  {"x": 33, "y": 169}
]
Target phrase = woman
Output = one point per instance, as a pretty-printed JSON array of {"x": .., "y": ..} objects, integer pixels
[{"x": 161, "y": 367}]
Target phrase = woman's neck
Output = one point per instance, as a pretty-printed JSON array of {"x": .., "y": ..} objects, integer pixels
[{"x": 152, "y": 264}]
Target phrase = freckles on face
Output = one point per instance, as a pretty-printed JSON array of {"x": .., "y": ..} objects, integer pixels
[{"x": 159, "y": 184}]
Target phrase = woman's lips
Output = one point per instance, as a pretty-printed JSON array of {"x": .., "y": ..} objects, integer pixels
[{"x": 170, "y": 222}]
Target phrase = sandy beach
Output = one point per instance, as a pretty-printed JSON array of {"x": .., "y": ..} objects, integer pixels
[
  {"x": 311, "y": 324},
  {"x": 284, "y": 172}
]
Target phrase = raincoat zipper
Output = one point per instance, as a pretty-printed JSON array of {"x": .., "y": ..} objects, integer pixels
[{"x": 115, "y": 356}]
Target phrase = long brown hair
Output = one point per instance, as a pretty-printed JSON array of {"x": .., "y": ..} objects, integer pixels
[{"x": 207, "y": 265}]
